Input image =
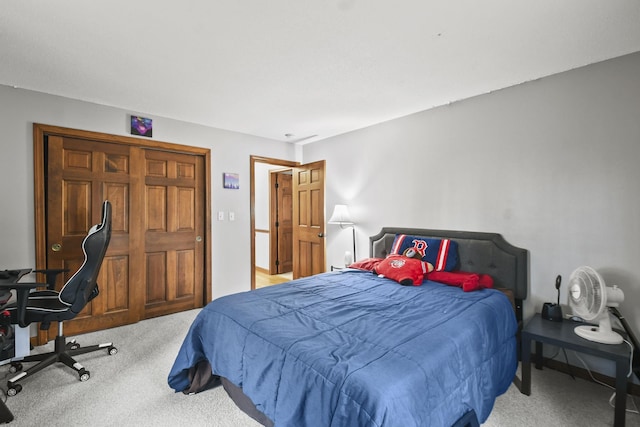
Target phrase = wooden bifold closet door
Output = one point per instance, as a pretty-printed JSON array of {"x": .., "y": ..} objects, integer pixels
[
  {"x": 156, "y": 261},
  {"x": 174, "y": 229}
]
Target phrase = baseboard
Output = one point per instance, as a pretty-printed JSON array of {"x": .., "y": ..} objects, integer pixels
[
  {"x": 262, "y": 270},
  {"x": 582, "y": 373}
]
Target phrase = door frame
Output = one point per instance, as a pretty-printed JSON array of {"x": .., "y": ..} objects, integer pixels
[
  {"x": 252, "y": 203},
  {"x": 40, "y": 131}
]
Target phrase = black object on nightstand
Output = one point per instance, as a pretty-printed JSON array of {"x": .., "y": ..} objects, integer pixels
[
  {"x": 551, "y": 311},
  {"x": 561, "y": 334}
]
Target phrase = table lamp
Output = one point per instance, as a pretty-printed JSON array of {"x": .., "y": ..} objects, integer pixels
[{"x": 342, "y": 217}]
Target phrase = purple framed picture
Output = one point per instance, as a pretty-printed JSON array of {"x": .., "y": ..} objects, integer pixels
[
  {"x": 231, "y": 180},
  {"x": 141, "y": 126}
]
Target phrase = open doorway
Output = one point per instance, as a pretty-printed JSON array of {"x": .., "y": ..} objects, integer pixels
[
  {"x": 307, "y": 219},
  {"x": 271, "y": 221}
]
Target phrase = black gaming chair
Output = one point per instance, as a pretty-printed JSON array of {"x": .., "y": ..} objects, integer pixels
[{"x": 46, "y": 306}]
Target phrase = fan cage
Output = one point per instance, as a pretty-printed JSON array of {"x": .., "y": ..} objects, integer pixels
[
  {"x": 591, "y": 302},
  {"x": 589, "y": 297}
]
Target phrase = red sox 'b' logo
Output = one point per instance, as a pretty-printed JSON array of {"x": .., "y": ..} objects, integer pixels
[{"x": 420, "y": 246}]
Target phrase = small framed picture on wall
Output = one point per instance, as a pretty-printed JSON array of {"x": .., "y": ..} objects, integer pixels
[
  {"x": 141, "y": 126},
  {"x": 231, "y": 180}
]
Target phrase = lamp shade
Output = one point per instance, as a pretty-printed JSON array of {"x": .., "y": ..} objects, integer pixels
[{"x": 340, "y": 215}]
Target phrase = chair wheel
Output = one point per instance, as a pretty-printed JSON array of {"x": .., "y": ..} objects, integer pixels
[
  {"x": 12, "y": 391},
  {"x": 15, "y": 367},
  {"x": 72, "y": 345},
  {"x": 112, "y": 350},
  {"x": 84, "y": 375}
]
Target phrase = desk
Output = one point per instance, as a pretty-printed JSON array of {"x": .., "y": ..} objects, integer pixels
[
  {"x": 561, "y": 334},
  {"x": 12, "y": 276},
  {"x": 22, "y": 336}
]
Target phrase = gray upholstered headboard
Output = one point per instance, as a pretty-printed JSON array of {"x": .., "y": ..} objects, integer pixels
[{"x": 485, "y": 253}]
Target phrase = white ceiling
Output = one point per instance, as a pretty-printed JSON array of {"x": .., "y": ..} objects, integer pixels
[{"x": 301, "y": 67}]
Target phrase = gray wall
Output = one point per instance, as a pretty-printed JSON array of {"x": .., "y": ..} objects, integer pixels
[
  {"x": 552, "y": 164},
  {"x": 230, "y": 151}
]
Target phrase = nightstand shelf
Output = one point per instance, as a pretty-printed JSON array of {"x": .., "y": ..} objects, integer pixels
[{"x": 561, "y": 334}]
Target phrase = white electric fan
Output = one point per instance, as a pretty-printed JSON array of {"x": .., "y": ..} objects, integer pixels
[{"x": 590, "y": 298}]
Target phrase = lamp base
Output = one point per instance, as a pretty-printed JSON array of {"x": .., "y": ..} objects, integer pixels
[{"x": 348, "y": 258}]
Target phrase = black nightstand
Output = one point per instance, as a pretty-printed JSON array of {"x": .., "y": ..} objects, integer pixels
[{"x": 561, "y": 334}]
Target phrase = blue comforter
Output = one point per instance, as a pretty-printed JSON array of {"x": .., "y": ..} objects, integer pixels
[{"x": 348, "y": 349}]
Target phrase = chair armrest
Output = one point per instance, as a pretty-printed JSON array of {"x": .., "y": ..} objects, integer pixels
[
  {"x": 21, "y": 285},
  {"x": 51, "y": 275},
  {"x": 22, "y": 297}
]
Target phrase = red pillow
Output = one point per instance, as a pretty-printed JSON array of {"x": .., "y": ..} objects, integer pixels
[
  {"x": 404, "y": 270},
  {"x": 467, "y": 281},
  {"x": 367, "y": 264}
]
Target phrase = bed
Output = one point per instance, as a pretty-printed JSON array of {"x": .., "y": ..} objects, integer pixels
[{"x": 349, "y": 348}]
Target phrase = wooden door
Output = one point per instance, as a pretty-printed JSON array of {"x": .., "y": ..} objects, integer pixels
[
  {"x": 174, "y": 230},
  {"x": 281, "y": 223},
  {"x": 158, "y": 260},
  {"x": 81, "y": 174},
  {"x": 308, "y": 220}
]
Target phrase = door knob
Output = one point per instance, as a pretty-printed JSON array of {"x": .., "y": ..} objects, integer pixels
[
  {"x": 320, "y": 234},
  {"x": 198, "y": 238},
  {"x": 56, "y": 247}
]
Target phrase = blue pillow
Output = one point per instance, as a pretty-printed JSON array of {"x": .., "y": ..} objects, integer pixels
[{"x": 441, "y": 253}]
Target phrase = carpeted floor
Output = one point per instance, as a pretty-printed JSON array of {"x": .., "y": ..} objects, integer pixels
[{"x": 130, "y": 389}]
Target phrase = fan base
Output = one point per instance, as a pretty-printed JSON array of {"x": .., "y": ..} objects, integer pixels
[{"x": 597, "y": 334}]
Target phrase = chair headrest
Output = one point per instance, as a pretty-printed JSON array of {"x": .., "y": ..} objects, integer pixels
[{"x": 106, "y": 219}]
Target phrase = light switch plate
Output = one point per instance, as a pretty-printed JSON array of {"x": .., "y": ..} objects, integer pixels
[
  {"x": 232, "y": 216},
  {"x": 220, "y": 215}
]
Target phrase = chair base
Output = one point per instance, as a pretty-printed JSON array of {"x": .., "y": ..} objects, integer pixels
[{"x": 63, "y": 353}]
